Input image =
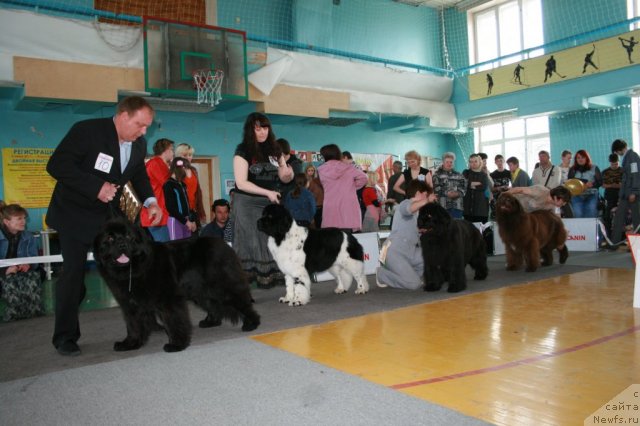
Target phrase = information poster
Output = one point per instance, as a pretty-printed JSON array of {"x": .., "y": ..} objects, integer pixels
[{"x": 26, "y": 181}]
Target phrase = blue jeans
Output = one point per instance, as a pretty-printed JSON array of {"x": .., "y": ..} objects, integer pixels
[
  {"x": 159, "y": 233},
  {"x": 585, "y": 206},
  {"x": 455, "y": 213}
]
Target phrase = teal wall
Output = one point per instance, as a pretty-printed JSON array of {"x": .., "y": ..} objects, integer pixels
[
  {"x": 264, "y": 18},
  {"x": 455, "y": 24},
  {"x": 378, "y": 28},
  {"x": 385, "y": 29},
  {"x": 590, "y": 130},
  {"x": 565, "y": 18}
]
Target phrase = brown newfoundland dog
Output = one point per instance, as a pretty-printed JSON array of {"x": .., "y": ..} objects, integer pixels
[{"x": 529, "y": 236}]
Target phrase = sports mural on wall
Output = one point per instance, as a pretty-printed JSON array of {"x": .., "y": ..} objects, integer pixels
[{"x": 600, "y": 56}]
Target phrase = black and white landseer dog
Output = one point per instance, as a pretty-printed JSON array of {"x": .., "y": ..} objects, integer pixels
[
  {"x": 154, "y": 280},
  {"x": 299, "y": 251}
]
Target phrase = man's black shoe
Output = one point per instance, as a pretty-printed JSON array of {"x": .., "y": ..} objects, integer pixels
[{"x": 68, "y": 348}]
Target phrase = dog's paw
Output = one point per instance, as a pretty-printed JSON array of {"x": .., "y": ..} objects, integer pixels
[
  {"x": 564, "y": 254},
  {"x": 126, "y": 345},
  {"x": 288, "y": 297},
  {"x": 432, "y": 287},
  {"x": 362, "y": 287},
  {"x": 249, "y": 325},
  {"x": 480, "y": 275},
  {"x": 456, "y": 288},
  {"x": 339, "y": 290},
  {"x": 512, "y": 267},
  {"x": 171, "y": 347},
  {"x": 301, "y": 295},
  {"x": 209, "y": 322}
]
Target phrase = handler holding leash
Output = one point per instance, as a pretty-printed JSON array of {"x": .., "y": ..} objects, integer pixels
[{"x": 93, "y": 162}]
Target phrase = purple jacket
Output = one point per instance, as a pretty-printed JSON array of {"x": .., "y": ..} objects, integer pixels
[{"x": 340, "y": 182}]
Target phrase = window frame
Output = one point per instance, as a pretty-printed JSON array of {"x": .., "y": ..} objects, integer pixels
[
  {"x": 633, "y": 10},
  {"x": 635, "y": 125},
  {"x": 530, "y": 158},
  {"x": 494, "y": 7}
]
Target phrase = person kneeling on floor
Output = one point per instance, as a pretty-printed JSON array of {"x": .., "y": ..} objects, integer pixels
[{"x": 402, "y": 255}]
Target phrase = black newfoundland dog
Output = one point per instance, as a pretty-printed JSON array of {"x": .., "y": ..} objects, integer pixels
[
  {"x": 448, "y": 245},
  {"x": 154, "y": 280},
  {"x": 299, "y": 251}
]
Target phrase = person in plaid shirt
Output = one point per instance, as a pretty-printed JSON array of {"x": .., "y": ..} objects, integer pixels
[{"x": 449, "y": 186}]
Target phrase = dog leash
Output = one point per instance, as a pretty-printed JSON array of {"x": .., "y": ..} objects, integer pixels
[{"x": 604, "y": 233}]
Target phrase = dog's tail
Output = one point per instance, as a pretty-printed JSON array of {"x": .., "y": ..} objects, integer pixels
[{"x": 354, "y": 248}]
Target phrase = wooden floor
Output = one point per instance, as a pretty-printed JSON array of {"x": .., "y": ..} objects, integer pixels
[{"x": 549, "y": 352}]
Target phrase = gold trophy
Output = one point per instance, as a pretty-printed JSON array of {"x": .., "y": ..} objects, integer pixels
[{"x": 129, "y": 202}]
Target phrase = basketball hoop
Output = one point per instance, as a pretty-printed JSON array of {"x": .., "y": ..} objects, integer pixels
[{"x": 208, "y": 83}]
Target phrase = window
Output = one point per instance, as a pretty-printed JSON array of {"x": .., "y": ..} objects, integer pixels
[
  {"x": 509, "y": 27},
  {"x": 522, "y": 138},
  {"x": 633, "y": 10}
]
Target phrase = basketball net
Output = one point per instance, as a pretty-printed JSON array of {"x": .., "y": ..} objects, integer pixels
[{"x": 209, "y": 86}]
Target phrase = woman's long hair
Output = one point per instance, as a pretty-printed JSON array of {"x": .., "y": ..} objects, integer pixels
[
  {"x": 300, "y": 180},
  {"x": 587, "y": 163},
  {"x": 250, "y": 142},
  {"x": 177, "y": 168}
]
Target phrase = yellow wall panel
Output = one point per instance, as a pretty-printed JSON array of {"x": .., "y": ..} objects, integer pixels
[
  {"x": 300, "y": 101},
  {"x": 600, "y": 56},
  {"x": 50, "y": 79}
]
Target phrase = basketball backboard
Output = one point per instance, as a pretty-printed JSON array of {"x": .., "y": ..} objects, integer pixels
[{"x": 174, "y": 51}]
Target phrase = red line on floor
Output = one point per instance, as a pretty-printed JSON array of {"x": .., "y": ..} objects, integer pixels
[{"x": 516, "y": 363}]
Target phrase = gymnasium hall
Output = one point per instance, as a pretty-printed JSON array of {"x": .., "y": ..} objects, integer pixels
[{"x": 379, "y": 78}]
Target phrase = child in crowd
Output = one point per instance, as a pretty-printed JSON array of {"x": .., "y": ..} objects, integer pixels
[
  {"x": 373, "y": 201},
  {"x": 300, "y": 201},
  {"x": 182, "y": 220},
  {"x": 20, "y": 285},
  {"x": 192, "y": 183}
]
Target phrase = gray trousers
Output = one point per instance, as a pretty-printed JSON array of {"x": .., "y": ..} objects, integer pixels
[
  {"x": 403, "y": 266},
  {"x": 617, "y": 233}
]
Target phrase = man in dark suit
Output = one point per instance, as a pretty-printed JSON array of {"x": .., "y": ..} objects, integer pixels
[{"x": 91, "y": 165}]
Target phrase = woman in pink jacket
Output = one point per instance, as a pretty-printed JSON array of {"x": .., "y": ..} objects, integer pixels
[{"x": 340, "y": 181}]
